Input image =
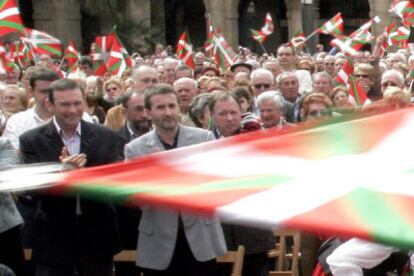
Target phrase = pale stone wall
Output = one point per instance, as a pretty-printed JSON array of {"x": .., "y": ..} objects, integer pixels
[
  {"x": 59, "y": 18},
  {"x": 225, "y": 15}
]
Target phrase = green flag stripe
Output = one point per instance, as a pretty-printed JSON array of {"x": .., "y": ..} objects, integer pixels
[
  {"x": 373, "y": 209},
  {"x": 115, "y": 66},
  {"x": 49, "y": 49},
  {"x": 12, "y": 25},
  {"x": 122, "y": 192},
  {"x": 2, "y": 4},
  {"x": 356, "y": 94}
]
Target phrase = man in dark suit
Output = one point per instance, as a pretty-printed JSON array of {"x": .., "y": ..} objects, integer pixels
[
  {"x": 75, "y": 235},
  {"x": 171, "y": 243},
  {"x": 137, "y": 123}
]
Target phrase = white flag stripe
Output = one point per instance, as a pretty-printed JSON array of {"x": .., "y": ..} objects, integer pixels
[{"x": 9, "y": 12}]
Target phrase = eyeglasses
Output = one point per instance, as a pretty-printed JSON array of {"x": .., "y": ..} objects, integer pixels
[
  {"x": 262, "y": 86},
  {"x": 112, "y": 89},
  {"x": 364, "y": 76},
  {"x": 388, "y": 83}
]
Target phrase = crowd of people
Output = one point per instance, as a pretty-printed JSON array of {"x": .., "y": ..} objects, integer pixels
[{"x": 162, "y": 104}]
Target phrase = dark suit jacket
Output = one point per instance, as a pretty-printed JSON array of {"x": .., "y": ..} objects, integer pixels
[
  {"x": 124, "y": 137},
  {"x": 128, "y": 217},
  {"x": 61, "y": 234}
]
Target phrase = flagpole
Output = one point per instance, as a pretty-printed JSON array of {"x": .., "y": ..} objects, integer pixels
[
  {"x": 312, "y": 34},
  {"x": 263, "y": 48}
]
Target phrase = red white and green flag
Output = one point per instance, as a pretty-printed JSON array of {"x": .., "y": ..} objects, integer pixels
[
  {"x": 100, "y": 53},
  {"x": 404, "y": 10},
  {"x": 209, "y": 44},
  {"x": 346, "y": 77},
  {"x": 21, "y": 53},
  {"x": 396, "y": 35},
  {"x": 72, "y": 56},
  {"x": 119, "y": 59},
  {"x": 330, "y": 180},
  {"x": 185, "y": 50},
  {"x": 223, "y": 53},
  {"x": 334, "y": 26},
  {"x": 10, "y": 20},
  {"x": 363, "y": 33},
  {"x": 347, "y": 45},
  {"x": 7, "y": 64},
  {"x": 268, "y": 28},
  {"x": 42, "y": 43},
  {"x": 298, "y": 39}
]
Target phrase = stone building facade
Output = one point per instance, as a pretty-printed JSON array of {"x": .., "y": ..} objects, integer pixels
[{"x": 66, "y": 20}]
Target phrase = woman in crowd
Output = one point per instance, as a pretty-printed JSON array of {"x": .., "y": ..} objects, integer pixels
[
  {"x": 316, "y": 106},
  {"x": 249, "y": 121},
  {"x": 14, "y": 100},
  {"x": 199, "y": 112},
  {"x": 342, "y": 101}
]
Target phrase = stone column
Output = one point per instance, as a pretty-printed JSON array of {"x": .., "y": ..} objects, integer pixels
[
  {"x": 380, "y": 8},
  {"x": 59, "y": 18},
  {"x": 294, "y": 16},
  {"x": 225, "y": 16}
]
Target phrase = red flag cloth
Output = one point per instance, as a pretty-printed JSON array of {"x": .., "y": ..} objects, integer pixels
[{"x": 185, "y": 51}]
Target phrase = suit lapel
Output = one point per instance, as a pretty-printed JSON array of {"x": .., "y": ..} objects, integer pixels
[
  {"x": 184, "y": 137},
  {"x": 154, "y": 143},
  {"x": 87, "y": 138},
  {"x": 54, "y": 136}
]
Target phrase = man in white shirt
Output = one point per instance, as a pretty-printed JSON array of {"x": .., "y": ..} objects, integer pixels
[{"x": 39, "y": 114}]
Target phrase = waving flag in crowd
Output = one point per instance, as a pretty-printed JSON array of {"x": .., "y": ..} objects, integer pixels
[
  {"x": 42, "y": 43},
  {"x": 185, "y": 51},
  {"x": 7, "y": 64},
  {"x": 267, "y": 29},
  {"x": 346, "y": 77},
  {"x": 10, "y": 20},
  {"x": 21, "y": 53},
  {"x": 217, "y": 47},
  {"x": 100, "y": 53},
  {"x": 334, "y": 26},
  {"x": 298, "y": 39},
  {"x": 351, "y": 44},
  {"x": 396, "y": 35},
  {"x": 72, "y": 56},
  {"x": 119, "y": 59},
  {"x": 209, "y": 44},
  {"x": 310, "y": 187},
  {"x": 347, "y": 45},
  {"x": 363, "y": 33},
  {"x": 404, "y": 10}
]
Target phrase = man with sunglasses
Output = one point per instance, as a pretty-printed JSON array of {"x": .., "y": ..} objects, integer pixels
[{"x": 262, "y": 80}]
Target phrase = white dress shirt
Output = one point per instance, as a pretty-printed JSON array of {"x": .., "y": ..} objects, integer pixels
[{"x": 352, "y": 256}]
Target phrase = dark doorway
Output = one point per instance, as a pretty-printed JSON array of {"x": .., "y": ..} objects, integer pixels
[
  {"x": 182, "y": 15},
  {"x": 354, "y": 13},
  {"x": 252, "y": 15}
]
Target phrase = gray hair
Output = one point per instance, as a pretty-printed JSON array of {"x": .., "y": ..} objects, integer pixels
[
  {"x": 192, "y": 81},
  {"x": 394, "y": 73},
  {"x": 262, "y": 71},
  {"x": 275, "y": 96},
  {"x": 197, "y": 107},
  {"x": 321, "y": 74},
  {"x": 284, "y": 75},
  {"x": 136, "y": 70}
]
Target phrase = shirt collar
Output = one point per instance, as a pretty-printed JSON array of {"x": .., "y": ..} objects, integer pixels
[
  {"x": 60, "y": 131},
  {"x": 37, "y": 117}
]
